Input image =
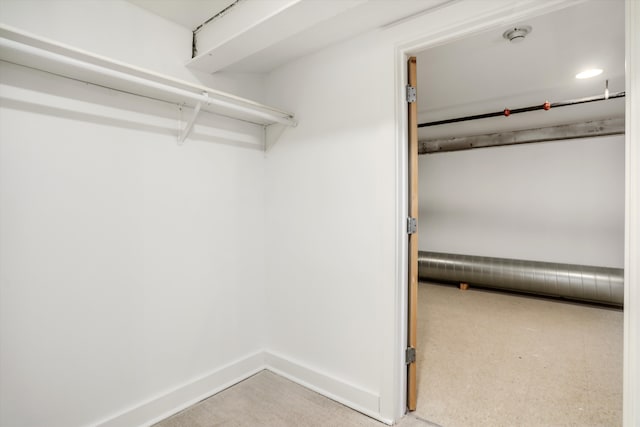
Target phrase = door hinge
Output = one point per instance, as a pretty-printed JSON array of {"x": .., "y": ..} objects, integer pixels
[
  {"x": 412, "y": 225},
  {"x": 410, "y": 355},
  {"x": 412, "y": 96}
]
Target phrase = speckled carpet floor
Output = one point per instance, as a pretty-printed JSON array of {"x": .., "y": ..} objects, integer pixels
[
  {"x": 484, "y": 359},
  {"x": 269, "y": 400},
  {"x": 493, "y": 359}
]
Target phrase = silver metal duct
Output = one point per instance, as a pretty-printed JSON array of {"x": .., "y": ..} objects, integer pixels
[{"x": 576, "y": 282}]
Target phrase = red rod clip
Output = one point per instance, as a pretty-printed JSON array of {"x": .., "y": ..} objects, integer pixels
[
  {"x": 546, "y": 105},
  {"x": 507, "y": 112}
]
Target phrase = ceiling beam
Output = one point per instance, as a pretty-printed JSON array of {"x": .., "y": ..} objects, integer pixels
[
  {"x": 612, "y": 126},
  {"x": 252, "y": 26}
]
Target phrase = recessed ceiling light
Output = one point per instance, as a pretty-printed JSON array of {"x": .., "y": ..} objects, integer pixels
[{"x": 589, "y": 73}]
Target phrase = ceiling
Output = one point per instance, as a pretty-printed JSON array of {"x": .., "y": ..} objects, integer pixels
[
  {"x": 477, "y": 74},
  {"x": 292, "y": 28},
  {"x": 188, "y": 13},
  {"x": 260, "y": 35},
  {"x": 485, "y": 73}
]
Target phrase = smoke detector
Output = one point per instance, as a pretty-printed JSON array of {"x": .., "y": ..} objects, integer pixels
[{"x": 517, "y": 34}]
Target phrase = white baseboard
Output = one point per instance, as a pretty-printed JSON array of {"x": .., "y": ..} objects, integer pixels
[
  {"x": 174, "y": 401},
  {"x": 364, "y": 401}
]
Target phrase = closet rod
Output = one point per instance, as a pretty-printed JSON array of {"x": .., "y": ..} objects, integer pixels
[
  {"x": 206, "y": 98},
  {"x": 507, "y": 112}
]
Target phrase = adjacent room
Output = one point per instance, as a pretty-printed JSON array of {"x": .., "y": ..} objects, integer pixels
[{"x": 522, "y": 214}]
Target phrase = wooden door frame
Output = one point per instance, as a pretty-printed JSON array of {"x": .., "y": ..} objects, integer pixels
[
  {"x": 465, "y": 25},
  {"x": 412, "y": 304}
]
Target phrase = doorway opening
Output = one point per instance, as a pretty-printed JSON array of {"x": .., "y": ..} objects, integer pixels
[{"x": 549, "y": 201}]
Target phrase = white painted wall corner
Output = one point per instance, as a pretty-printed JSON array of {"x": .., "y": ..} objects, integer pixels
[
  {"x": 167, "y": 404},
  {"x": 364, "y": 401},
  {"x": 181, "y": 397}
]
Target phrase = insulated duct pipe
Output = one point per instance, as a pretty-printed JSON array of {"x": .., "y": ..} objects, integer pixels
[{"x": 576, "y": 282}]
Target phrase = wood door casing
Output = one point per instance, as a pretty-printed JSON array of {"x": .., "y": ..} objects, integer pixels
[{"x": 412, "y": 396}]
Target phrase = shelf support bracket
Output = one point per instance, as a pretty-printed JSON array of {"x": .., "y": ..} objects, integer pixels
[
  {"x": 192, "y": 121},
  {"x": 272, "y": 133}
]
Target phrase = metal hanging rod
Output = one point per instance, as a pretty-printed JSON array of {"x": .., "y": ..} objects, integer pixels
[
  {"x": 507, "y": 112},
  {"x": 36, "y": 52}
]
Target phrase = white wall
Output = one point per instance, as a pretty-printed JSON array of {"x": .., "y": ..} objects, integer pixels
[
  {"x": 131, "y": 268},
  {"x": 560, "y": 201},
  {"x": 330, "y": 219},
  {"x": 334, "y": 228}
]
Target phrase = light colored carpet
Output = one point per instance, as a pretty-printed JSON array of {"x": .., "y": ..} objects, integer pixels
[
  {"x": 269, "y": 400},
  {"x": 493, "y": 359},
  {"x": 484, "y": 359}
]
